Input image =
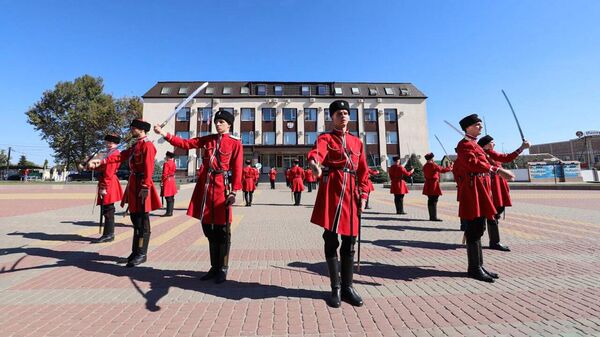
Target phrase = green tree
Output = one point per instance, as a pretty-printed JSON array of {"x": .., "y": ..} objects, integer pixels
[
  {"x": 414, "y": 162},
  {"x": 3, "y": 159},
  {"x": 23, "y": 162},
  {"x": 74, "y": 116}
]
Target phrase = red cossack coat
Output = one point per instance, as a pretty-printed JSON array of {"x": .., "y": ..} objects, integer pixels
[
  {"x": 338, "y": 199},
  {"x": 141, "y": 165},
  {"x": 109, "y": 181},
  {"x": 272, "y": 174},
  {"x": 309, "y": 176},
  {"x": 221, "y": 153},
  {"x": 472, "y": 174},
  {"x": 249, "y": 177},
  {"x": 397, "y": 174},
  {"x": 296, "y": 174},
  {"x": 169, "y": 187},
  {"x": 431, "y": 173},
  {"x": 500, "y": 189}
]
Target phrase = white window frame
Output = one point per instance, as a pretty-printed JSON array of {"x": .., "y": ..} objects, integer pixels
[
  {"x": 285, "y": 139},
  {"x": 253, "y": 114},
  {"x": 368, "y": 140},
  {"x": 295, "y": 112},
  {"x": 265, "y": 142},
  {"x": 387, "y": 137},
  {"x": 178, "y": 117},
  {"x": 368, "y": 113},
  {"x": 272, "y": 113}
]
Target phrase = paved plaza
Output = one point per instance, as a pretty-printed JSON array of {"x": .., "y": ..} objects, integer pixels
[{"x": 54, "y": 282}]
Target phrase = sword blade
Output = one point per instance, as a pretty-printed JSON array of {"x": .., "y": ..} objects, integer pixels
[
  {"x": 454, "y": 128},
  {"x": 514, "y": 115},
  {"x": 184, "y": 103},
  {"x": 442, "y": 145}
]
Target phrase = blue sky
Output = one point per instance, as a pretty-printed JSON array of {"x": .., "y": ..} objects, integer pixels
[{"x": 544, "y": 54}]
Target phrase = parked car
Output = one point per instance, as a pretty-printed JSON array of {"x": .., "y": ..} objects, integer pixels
[
  {"x": 14, "y": 177},
  {"x": 83, "y": 176}
]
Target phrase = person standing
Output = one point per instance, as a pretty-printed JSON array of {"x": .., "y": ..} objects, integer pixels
[
  {"x": 341, "y": 197},
  {"x": 141, "y": 195},
  {"x": 475, "y": 204},
  {"x": 398, "y": 188},
  {"x": 272, "y": 177},
  {"x": 168, "y": 184},
  {"x": 310, "y": 178},
  {"x": 372, "y": 172},
  {"x": 249, "y": 178},
  {"x": 109, "y": 189},
  {"x": 296, "y": 174},
  {"x": 220, "y": 177},
  {"x": 431, "y": 187},
  {"x": 500, "y": 189}
]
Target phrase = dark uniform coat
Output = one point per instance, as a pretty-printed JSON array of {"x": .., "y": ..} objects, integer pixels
[
  {"x": 221, "y": 153},
  {"x": 338, "y": 199}
]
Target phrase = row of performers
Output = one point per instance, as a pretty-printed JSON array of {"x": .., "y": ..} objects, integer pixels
[{"x": 341, "y": 196}]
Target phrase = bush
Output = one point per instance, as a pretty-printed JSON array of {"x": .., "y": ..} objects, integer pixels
[
  {"x": 417, "y": 176},
  {"x": 380, "y": 178}
]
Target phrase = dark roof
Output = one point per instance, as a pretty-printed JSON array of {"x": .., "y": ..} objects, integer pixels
[{"x": 288, "y": 89}]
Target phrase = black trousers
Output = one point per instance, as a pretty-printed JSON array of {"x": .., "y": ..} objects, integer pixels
[
  {"x": 272, "y": 184},
  {"x": 399, "y": 202},
  {"x": 219, "y": 234},
  {"x": 310, "y": 186},
  {"x": 297, "y": 198},
  {"x": 474, "y": 229},
  {"x": 432, "y": 199},
  {"x": 499, "y": 211},
  {"x": 108, "y": 211},
  {"x": 332, "y": 243},
  {"x": 141, "y": 232}
]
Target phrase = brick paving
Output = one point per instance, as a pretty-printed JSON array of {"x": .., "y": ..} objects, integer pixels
[{"x": 53, "y": 282}]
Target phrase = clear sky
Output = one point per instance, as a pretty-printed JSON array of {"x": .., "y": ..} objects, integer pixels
[{"x": 544, "y": 54}]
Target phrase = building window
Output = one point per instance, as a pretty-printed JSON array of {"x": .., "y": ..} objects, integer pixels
[
  {"x": 355, "y": 91},
  {"x": 310, "y": 114},
  {"x": 183, "y": 91},
  {"x": 268, "y": 114},
  {"x": 289, "y": 114},
  {"x": 371, "y": 137},
  {"x": 204, "y": 115},
  {"x": 247, "y": 114},
  {"x": 165, "y": 90},
  {"x": 181, "y": 162},
  {"x": 269, "y": 138},
  {"x": 327, "y": 115},
  {"x": 338, "y": 91},
  {"x": 391, "y": 115},
  {"x": 391, "y": 137},
  {"x": 226, "y": 90},
  {"x": 370, "y": 115},
  {"x": 183, "y": 115},
  {"x": 310, "y": 137},
  {"x": 404, "y": 92},
  {"x": 289, "y": 138},
  {"x": 261, "y": 90},
  {"x": 353, "y": 114},
  {"x": 389, "y": 91},
  {"x": 278, "y": 90},
  {"x": 372, "y": 91},
  {"x": 230, "y": 110},
  {"x": 209, "y": 91},
  {"x": 183, "y": 134},
  {"x": 305, "y": 90},
  {"x": 321, "y": 90},
  {"x": 204, "y": 133},
  {"x": 248, "y": 137},
  {"x": 244, "y": 90}
]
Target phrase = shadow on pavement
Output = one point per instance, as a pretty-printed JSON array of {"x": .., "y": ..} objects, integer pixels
[
  {"x": 394, "y": 245},
  {"x": 94, "y": 223},
  {"x": 412, "y": 228},
  {"x": 51, "y": 237}
]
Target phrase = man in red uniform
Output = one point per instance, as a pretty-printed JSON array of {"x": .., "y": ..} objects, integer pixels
[
  {"x": 288, "y": 180},
  {"x": 296, "y": 174},
  {"x": 167, "y": 182},
  {"x": 109, "y": 189},
  {"x": 141, "y": 195},
  {"x": 249, "y": 177},
  {"x": 219, "y": 178},
  {"x": 372, "y": 172},
  {"x": 398, "y": 188},
  {"x": 431, "y": 188},
  {"x": 500, "y": 189},
  {"x": 272, "y": 177},
  {"x": 472, "y": 174},
  {"x": 341, "y": 197},
  {"x": 310, "y": 178}
]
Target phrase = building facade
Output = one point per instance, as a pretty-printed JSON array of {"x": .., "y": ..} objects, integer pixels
[
  {"x": 585, "y": 149},
  {"x": 279, "y": 121}
]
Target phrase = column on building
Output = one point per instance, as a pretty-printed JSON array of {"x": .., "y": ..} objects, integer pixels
[
  {"x": 237, "y": 124},
  {"x": 278, "y": 124},
  {"x": 193, "y": 133},
  {"x": 258, "y": 136},
  {"x": 300, "y": 126},
  {"x": 382, "y": 139}
]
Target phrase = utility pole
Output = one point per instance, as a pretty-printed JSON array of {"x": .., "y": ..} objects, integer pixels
[{"x": 8, "y": 162}]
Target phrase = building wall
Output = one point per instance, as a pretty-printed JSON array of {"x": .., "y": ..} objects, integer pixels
[
  {"x": 586, "y": 150},
  {"x": 411, "y": 123}
]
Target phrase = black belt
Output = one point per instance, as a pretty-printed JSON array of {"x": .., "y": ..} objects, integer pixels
[
  {"x": 479, "y": 174},
  {"x": 343, "y": 169},
  {"x": 213, "y": 171},
  {"x": 138, "y": 174}
]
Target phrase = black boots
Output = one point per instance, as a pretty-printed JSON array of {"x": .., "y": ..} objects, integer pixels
[
  {"x": 334, "y": 300},
  {"x": 213, "y": 249},
  {"x": 367, "y": 204},
  {"x": 475, "y": 259},
  {"x": 247, "y": 198},
  {"x": 251, "y": 194},
  {"x": 492, "y": 274},
  {"x": 108, "y": 233},
  {"x": 349, "y": 295},
  {"x": 432, "y": 207},
  {"x": 223, "y": 263},
  {"x": 494, "y": 234},
  {"x": 142, "y": 251},
  {"x": 170, "y": 205},
  {"x": 399, "y": 202},
  {"x": 141, "y": 239},
  {"x": 297, "y": 196}
]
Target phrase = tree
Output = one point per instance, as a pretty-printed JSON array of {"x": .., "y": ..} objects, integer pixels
[
  {"x": 3, "y": 159},
  {"x": 74, "y": 116},
  {"x": 23, "y": 162},
  {"x": 414, "y": 162}
]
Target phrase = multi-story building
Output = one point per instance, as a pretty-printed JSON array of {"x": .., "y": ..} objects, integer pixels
[
  {"x": 279, "y": 121},
  {"x": 585, "y": 149}
]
